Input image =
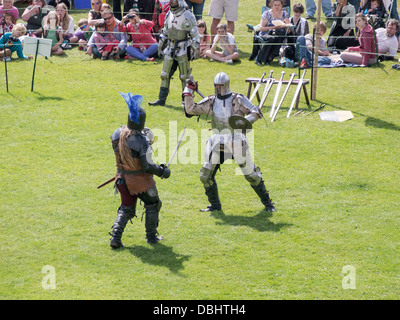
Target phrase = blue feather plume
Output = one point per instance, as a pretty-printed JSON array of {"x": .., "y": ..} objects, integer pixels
[{"x": 134, "y": 102}]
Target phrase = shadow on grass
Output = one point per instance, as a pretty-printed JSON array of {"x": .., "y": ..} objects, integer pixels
[
  {"x": 160, "y": 255},
  {"x": 42, "y": 97},
  {"x": 371, "y": 121},
  {"x": 259, "y": 222},
  {"x": 381, "y": 124}
]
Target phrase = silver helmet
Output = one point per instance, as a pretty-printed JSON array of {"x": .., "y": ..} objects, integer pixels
[
  {"x": 221, "y": 84},
  {"x": 177, "y": 5}
]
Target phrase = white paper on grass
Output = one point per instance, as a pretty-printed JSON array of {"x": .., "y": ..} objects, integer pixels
[
  {"x": 337, "y": 116},
  {"x": 30, "y": 44}
]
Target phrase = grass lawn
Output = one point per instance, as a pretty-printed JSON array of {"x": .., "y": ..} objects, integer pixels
[{"x": 335, "y": 185}]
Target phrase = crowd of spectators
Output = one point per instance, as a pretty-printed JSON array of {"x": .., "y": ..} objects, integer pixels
[{"x": 130, "y": 34}]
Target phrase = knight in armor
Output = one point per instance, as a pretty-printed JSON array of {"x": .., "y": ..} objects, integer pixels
[
  {"x": 135, "y": 170},
  {"x": 179, "y": 44},
  {"x": 226, "y": 142}
]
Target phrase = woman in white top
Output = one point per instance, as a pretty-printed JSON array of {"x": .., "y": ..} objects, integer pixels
[{"x": 66, "y": 21}]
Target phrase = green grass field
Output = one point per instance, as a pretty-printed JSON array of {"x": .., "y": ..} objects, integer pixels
[{"x": 335, "y": 185}]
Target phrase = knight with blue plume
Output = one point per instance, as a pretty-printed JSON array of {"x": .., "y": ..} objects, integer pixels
[{"x": 135, "y": 170}]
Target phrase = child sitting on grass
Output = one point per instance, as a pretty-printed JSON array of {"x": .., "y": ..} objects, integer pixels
[
  {"x": 53, "y": 31},
  {"x": 227, "y": 43},
  {"x": 10, "y": 43},
  {"x": 105, "y": 41},
  {"x": 9, "y": 23},
  {"x": 205, "y": 43},
  {"x": 82, "y": 34}
]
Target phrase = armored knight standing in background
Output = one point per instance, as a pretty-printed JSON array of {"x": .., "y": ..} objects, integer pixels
[
  {"x": 179, "y": 43},
  {"x": 135, "y": 170},
  {"x": 226, "y": 142}
]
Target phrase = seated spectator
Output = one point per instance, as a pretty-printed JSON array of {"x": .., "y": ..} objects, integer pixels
[
  {"x": 82, "y": 34},
  {"x": 372, "y": 7},
  {"x": 300, "y": 28},
  {"x": 66, "y": 22},
  {"x": 10, "y": 43},
  {"x": 205, "y": 43},
  {"x": 387, "y": 40},
  {"x": 33, "y": 16},
  {"x": 106, "y": 43},
  {"x": 54, "y": 3},
  {"x": 52, "y": 30},
  {"x": 376, "y": 13},
  {"x": 342, "y": 34},
  {"x": 8, "y": 7},
  {"x": 366, "y": 53},
  {"x": 306, "y": 48},
  {"x": 111, "y": 27},
  {"x": 273, "y": 36},
  {"x": 226, "y": 41},
  {"x": 143, "y": 45},
  {"x": 94, "y": 14},
  {"x": 8, "y": 23}
]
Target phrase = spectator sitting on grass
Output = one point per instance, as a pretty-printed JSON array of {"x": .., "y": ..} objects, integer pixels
[
  {"x": 227, "y": 43},
  {"x": 143, "y": 45},
  {"x": 53, "y": 31},
  {"x": 82, "y": 34},
  {"x": 66, "y": 22},
  {"x": 95, "y": 13},
  {"x": 33, "y": 16},
  {"x": 387, "y": 40},
  {"x": 111, "y": 27},
  {"x": 305, "y": 47},
  {"x": 10, "y": 43}
]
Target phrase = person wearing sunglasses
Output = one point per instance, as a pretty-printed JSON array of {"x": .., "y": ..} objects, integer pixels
[
  {"x": 143, "y": 46},
  {"x": 111, "y": 27},
  {"x": 95, "y": 13}
]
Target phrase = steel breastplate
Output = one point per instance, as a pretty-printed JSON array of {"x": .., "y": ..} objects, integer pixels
[{"x": 222, "y": 110}]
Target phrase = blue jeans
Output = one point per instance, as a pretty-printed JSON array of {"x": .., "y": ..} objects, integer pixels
[
  {"x": 311, "y": 7},
  {"x": 196, "y": 8},
  {"x": 303, "y": 53},
  {"x": 136, "y": 53}
]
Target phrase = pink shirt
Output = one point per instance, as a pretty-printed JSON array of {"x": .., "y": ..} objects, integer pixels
[
  {"x": 141, "y": 36},
  {"x": 13, "y": 11}
]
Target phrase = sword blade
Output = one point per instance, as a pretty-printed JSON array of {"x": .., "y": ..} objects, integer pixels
[
  {"x": 257, "y": 87},
  {"x": 268, "y": 86},
  {"x": 283, "y": 96},
  {"x": 278, "y": 89},
  {"x": 299, "y": 85},
  {"x": 177, "y": 147}
]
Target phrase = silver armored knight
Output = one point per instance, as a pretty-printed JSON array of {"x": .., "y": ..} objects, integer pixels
[
  {"x": 226, "y": 142},
  {"x": 179, "y": 43}
]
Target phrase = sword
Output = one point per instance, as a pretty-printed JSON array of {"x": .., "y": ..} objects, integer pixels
[
  {"x": 201, "y": 95},
  {"x": 296, "y": 94},
  {"x": 321, "y": 107},
  {"x": 278, "y": 89},
  {"x": 105, "y": 183},
  {"x": 177, "y": 147},
  {"x": 257, "y": 87},
  {"x": 267, "y": 89},
  {"x": 283, "y": 96}
]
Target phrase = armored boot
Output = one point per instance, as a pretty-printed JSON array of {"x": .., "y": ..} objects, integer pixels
[
  {"x": 212, "y": 195},
  {"x": 123, "y": 216},
  {"x": 264, "y": 196},
  {"x": 151, "y": 223},
  {"x": 162, "y": 97}
]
